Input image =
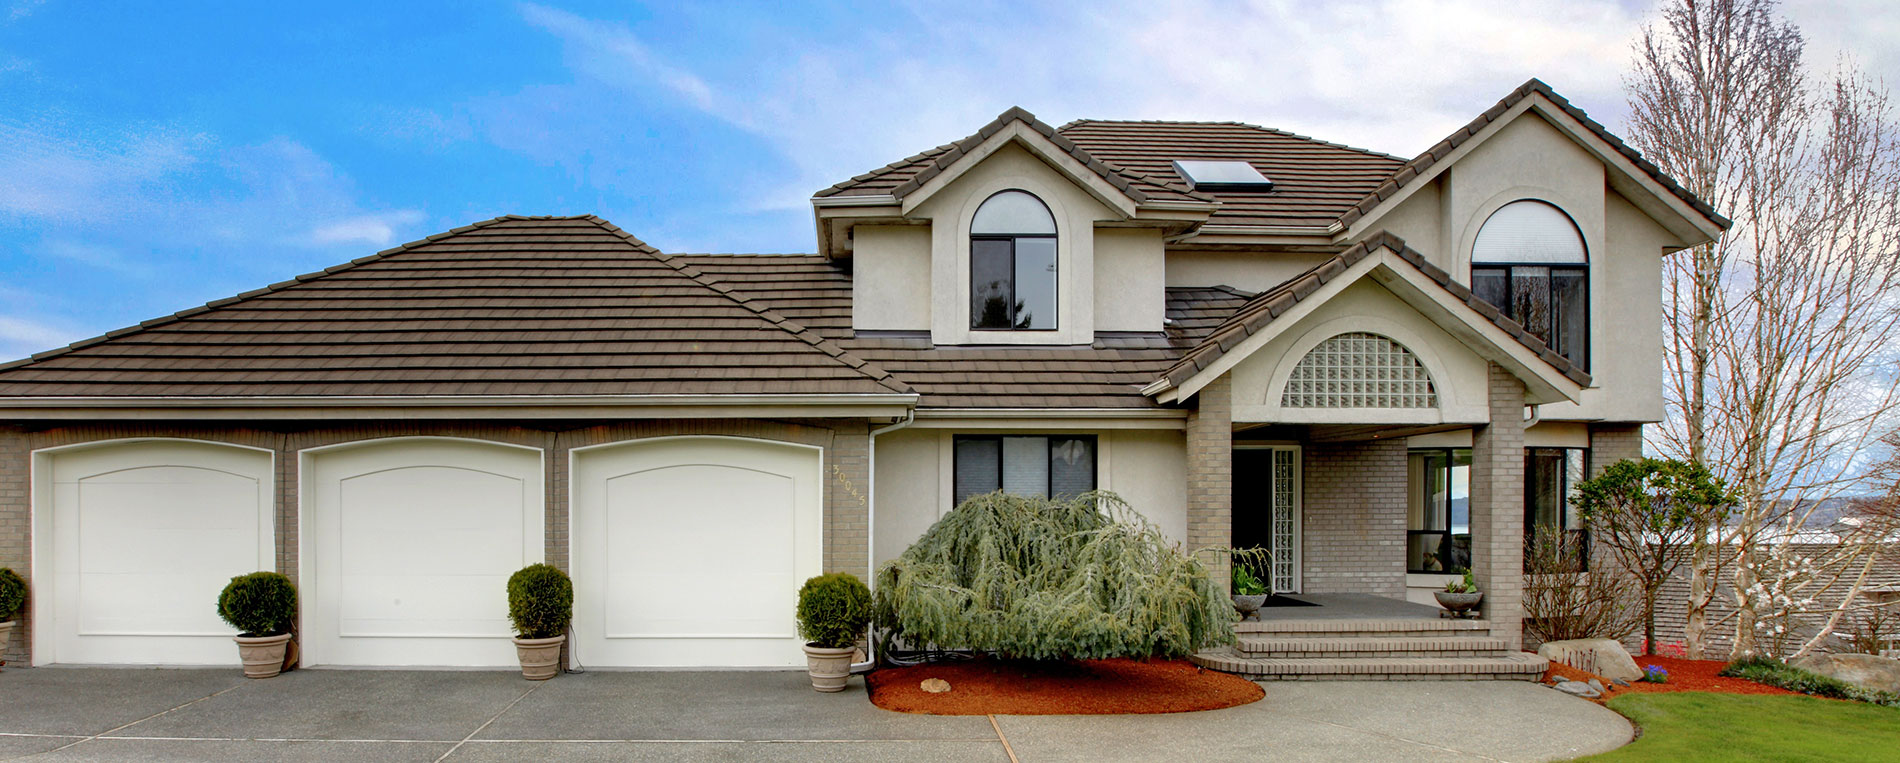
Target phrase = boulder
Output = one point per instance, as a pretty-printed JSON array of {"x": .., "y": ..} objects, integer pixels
[
  {"x": 1879, "y": 673},
  {"x": 1578, "y": 688},
  {"x": 935, "y": 685},
  {"x": 1601, "y": 656}
]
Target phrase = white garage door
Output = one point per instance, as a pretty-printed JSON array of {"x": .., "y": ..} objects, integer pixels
[
  {"x": 689, "y": 551},
  {"x": 139, "y": 538},
  {"x": 408, "y": 547}
]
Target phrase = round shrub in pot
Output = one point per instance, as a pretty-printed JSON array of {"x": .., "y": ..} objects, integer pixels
[
  {"x": 541, "y": 604},
  {"x": 833, "y": 611},
  {"x": 263, "y": 607},
  {"x": 12, "y": 600}
]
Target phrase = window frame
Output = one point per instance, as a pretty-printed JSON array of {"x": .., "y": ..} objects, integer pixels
[
  {"x": 1565, "y": 506},
  {"x": 1447, "y": 538},
  {"x": 1509, "y": 270},
  {"x": 1055, "y": 320},
  {"x": 956, "y": 464}
]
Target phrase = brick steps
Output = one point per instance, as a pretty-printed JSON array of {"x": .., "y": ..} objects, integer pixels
[
  {"x": 1521, "y": 666},
  {"x": 1416, "y": 628},
  {"x": 1373, "y": 646}
]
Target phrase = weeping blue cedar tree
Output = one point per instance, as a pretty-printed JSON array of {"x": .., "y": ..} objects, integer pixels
[{"x": 1041, "y": 579}]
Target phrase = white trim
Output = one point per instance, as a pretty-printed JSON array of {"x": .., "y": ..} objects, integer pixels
[
  {"x": 42, "y": 640},
  {"x": 879, "y": 200},
  {"x": 1454, "y": 403},
  {"x": 1040, "y": 147}
]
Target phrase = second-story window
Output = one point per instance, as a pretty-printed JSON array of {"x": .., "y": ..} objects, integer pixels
[
  {"x": 1529, "y": 261},
  {"x": 1013, "y": 264}
]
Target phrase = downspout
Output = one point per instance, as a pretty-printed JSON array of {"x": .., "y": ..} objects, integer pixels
[{"x": 870, "y": 524}]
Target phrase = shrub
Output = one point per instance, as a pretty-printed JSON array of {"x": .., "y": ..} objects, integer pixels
[
  {"x": 259, "y": 604},
  {"x": 1035, "y": 578},
  {"x": 540, "y": 601},
  {"x": 1563, "y": 601},
  {"x": 833, "y": 610},
  {"x": 12, "y": 593},
  {"x": 1773, "y": 672}
]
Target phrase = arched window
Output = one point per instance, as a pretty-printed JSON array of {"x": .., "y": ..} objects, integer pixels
[
  {"x": 1359, "y": 370},
  {"x": 1013, "y": 264},
  {"x": 1529, "y": 260}
]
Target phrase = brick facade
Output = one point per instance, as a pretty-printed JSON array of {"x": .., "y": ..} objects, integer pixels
[
  {"x": 1210, "y": 473},
  {"x": 1354, "y": 518},
  {"x": 1610, "y": 443},
  {"x": 845, "y": 444},
  {"x": 1497, "y": 508}
]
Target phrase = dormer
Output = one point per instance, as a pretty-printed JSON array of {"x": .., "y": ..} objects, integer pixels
[{"x": 1012, "y": 236}]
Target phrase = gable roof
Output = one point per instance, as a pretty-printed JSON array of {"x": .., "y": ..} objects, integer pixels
[
  {"x": 1259, "y": 312},
  {"x": 513, "y": 306},
  {"x": 1424, "y": 162}
]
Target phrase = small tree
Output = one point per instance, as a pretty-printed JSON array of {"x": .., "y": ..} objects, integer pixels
[
  {"x": 1042, "y": 579},
  {"x": 1650, "y": 513},
  {"x": 1563, "y": 600}
]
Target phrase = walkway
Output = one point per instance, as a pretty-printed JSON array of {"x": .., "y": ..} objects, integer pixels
[{"x": 61, "y": 714}]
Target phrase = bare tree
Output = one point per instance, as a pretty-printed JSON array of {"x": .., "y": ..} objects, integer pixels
[{"x": 1780, "y": 335}]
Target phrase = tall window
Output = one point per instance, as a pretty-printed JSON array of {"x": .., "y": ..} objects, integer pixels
[
  {"x": 1550, "y": 479},
  {"x": 1438, "y": 528},
  {"x": 1013, "y": 264},
  {"x": 1529, "y": 261},
  {"x": 1058, "y": 466}
]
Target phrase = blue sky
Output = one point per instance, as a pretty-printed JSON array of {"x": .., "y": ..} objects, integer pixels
[{"x": 155, "y": 157}]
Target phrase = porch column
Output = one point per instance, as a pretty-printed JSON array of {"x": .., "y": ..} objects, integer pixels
[
  {"x": 1497, "y": 508},
  {"x": 1210, "y": 473}
]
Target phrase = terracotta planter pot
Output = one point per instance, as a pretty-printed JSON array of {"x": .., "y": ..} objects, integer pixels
[
  {"x": 1458, "y": 604},
  {"x": 540, "y": 657},
  {"x": 6, "y": 632},
  {"x": 263, "y": 656},
  {"x": 829, "y": 667}
]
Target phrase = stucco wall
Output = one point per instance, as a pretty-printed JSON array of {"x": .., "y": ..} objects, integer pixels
[
  {"x": 1128, "y": 265},
  {"x": 1248, "y": 271},
  {"x": 890, "y": 277}
]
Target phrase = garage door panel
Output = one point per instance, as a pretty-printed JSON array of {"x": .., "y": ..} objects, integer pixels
[
  {"x": 142, "y": 537},
  {"x": 690, "y": 550},
  {"x": 414, "y": 606}
]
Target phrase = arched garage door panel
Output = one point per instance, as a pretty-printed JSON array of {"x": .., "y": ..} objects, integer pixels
[
  {"x": 690, "y": 551},
  {"x": 142, "y": 537},
  {"x": 411, "y": 543}
]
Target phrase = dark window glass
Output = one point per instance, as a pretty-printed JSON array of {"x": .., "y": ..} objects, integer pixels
[
  {"x": 1550, "y": 479},
  {"x": 1438, "y": 526},
  {"x": 1062, "y": 466},
  {"x": 992, "y": 277},
  {"x": 1013, "y": 264},
  {"x": 1551, "y": 302},
  {"x": 1035, "y": 283}
]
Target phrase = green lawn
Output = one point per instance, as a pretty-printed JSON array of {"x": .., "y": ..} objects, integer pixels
[{"x": 1705, "y": 726}]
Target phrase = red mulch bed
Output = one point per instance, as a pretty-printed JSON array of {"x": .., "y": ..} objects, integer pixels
[
  {"x": 1684, "y": 675},
  {"x": 1084, "y": 687}
]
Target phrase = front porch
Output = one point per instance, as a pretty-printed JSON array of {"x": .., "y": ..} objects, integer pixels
[{"x": 1365, "y": 637}]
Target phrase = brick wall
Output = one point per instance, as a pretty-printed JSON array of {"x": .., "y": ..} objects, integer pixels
[
  {"x": 1354, "y": 518},
  {"x": 1497, "y": 507},
  {"x": 1610, "y": 443},
  {"x": 1210, "y": 473},
  {"x": 846, "y": 520}
]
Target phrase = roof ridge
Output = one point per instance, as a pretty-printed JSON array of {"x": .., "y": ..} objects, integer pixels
[
  {"x": 1420, "y": 164},
  {"x": 759, "y": 308},
  {"x": 271, "y": 289},
  {"x": 1231, "y": 123},
  {"x": 1282, "y": 297}
]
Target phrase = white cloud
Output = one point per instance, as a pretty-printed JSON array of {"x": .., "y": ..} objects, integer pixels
[
  {"x": 49, "y": 173},
  {"x": 611, "y": 53},
  {"x": 375, "y": 229},
  {"x": 20, "y": 337},
  {"x": 95, "y": 255}
]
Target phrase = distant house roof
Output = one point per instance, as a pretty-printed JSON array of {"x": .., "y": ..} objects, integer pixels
[{"x": 509, "y": 306}]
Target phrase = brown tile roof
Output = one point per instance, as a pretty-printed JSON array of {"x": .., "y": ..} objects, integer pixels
[
  {"x": 1263, "y": 308},
  {"x": 1423, "y": 162},
  {"x": 1106, "y": 374},
  {"x": 510, "y": 306}
]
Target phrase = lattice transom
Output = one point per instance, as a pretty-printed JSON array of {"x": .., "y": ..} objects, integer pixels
[{"x": 1360, "y": 370}]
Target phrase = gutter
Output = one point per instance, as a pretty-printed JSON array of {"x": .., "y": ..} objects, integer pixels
[
  {"x": 434, "y": 401},
  {"x": 870, "y": 524}
]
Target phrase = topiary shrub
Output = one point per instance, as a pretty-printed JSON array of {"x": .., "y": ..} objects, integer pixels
[
  {"x": 833, "y": 610},
  {"x": 540, "y": 601},
  {"x": 12, "y": 593},
  {"x": 1041, "y": 579},
  {"x": 259, "y": 604}
]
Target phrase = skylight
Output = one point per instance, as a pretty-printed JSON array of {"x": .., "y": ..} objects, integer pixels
[{"x": 1221, "y": 175}]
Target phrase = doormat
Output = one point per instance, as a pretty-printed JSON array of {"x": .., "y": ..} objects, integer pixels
[{"x": 1277, "y": 600}]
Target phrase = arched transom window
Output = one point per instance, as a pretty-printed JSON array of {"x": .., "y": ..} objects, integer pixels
[
  {"x": 1359, "y": 370},
  {"x": 1529, "y": 261},
  {"x": 1013, "y": 264}
]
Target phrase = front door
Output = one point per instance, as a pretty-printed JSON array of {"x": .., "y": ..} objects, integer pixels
[{"x": 1266, "y": 511}]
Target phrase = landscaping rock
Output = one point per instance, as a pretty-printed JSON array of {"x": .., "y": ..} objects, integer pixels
[
  {"x": 1601, "y": 656},
  {"x": 1621, "y": 682},
  {"x": 1880, "y": 673},
  {"x": 1560, "y": 679},
  {"x": 1578, "y": 688},
  {"x": 1597, "y": 685},
  {"x": 935, "y": 685}
]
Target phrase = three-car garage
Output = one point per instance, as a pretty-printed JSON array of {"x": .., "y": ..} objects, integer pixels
[{"x": 686, "y": 551}]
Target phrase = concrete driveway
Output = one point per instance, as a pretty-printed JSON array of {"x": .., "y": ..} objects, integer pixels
[{"x": 144, "y": 714}]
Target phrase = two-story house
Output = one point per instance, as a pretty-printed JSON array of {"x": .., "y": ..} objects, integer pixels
[{"x": 1380, "y": 369}]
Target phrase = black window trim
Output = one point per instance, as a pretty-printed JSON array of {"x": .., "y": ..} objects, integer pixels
[
  {"x": 1445, "y": 535},
  {"x": 1055, "y": 320},
  {"x": 1564, "y": 508},
  {"x": 1095, "y": 455},
  {"x": 1589, "y": 338}
]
